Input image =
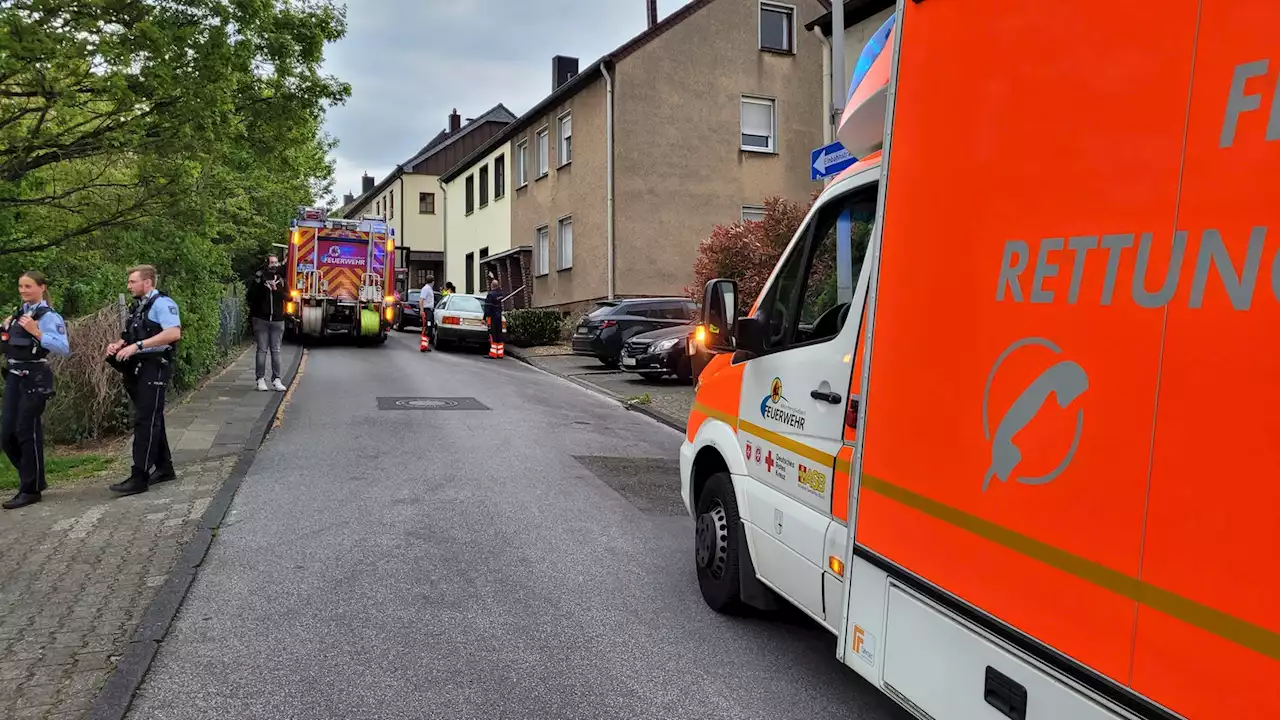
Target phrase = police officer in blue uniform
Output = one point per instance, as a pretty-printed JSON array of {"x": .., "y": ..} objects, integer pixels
[
  {"x": 30, "y": 335},
  {"x": 145, "y": 356}
]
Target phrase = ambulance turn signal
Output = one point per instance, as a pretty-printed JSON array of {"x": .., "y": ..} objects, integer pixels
[{"x": 836, "y": 565}]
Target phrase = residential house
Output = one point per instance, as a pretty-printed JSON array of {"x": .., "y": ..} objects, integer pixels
[
  {"x": 477, "y": 216},
  {"x": 861, "y": 19},
  {"x": 619, "y": 173},
  {"x": 410, "y": 197}
]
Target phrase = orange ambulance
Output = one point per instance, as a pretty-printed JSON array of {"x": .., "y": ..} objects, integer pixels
[{"x": 1006, "y": 416}]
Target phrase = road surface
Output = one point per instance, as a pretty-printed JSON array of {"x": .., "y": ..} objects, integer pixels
[{"x": 525, "y": 561}]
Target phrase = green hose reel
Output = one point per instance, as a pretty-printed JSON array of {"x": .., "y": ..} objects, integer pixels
[{"x": 370, "y": 323}]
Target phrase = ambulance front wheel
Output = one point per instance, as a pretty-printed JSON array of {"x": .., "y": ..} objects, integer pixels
[{"x": 717, "y": 544}]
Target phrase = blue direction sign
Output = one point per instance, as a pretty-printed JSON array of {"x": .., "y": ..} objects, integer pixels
[{"x": 829, "y": 160}]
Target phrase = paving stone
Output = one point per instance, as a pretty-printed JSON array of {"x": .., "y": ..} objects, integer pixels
[{"x": 82, "y": 568}]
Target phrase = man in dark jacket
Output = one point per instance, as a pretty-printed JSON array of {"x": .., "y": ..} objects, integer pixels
[
  {"x": 266, "y": 308},
  {"x": 493, "y": 318}
]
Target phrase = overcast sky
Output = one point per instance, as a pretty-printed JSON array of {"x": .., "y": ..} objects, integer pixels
[{"x": 410, "y": 62}]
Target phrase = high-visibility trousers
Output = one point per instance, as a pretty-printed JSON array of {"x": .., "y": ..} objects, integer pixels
[
  {"x": 497, "y": 350},
  {"x": 424, "y": 345}
]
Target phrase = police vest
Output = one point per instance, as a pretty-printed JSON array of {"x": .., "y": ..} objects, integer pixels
[
  {"x": 140, "y": 326},
  {"x": 20, "y": 345}
]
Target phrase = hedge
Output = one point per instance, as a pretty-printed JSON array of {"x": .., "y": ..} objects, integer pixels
[{"x": 530, "y": 328}]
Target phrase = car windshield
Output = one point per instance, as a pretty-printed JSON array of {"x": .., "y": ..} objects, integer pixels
[
  {"x": 413, "y": 297},
  {"x": 465, "y": 303},
  {"x": 603, "y": 310}
]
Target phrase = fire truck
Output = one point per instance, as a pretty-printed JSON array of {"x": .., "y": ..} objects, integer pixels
[
  {"x": 341, "y": 275},
  {"x": 1003, "y": 417}
]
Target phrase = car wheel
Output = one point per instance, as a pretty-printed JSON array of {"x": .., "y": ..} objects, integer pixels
[
  {"x": 717, "y": 542},
  {"x": 652, "y": 375},
  {"x": 684, "y": 370},
  {"x": 610, "y": 363}
]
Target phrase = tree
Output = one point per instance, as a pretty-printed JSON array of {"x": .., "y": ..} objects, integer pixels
[{"x": 112, "y": 111}]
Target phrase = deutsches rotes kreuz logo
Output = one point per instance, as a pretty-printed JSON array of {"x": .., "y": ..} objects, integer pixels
[{"x": 776, "y": 408}]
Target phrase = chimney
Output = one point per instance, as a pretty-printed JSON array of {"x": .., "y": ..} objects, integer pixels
[
  {"x": 348, "y": 199},
  {"x": 455, "y": 121},
  {"x": 562, "y": 70},
  {"x": 653, "y": 12},
  {"x": 366, "y": 184}
]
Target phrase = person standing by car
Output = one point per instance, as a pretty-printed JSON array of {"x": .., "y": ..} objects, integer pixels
[
  {"x": 266, "y": 309},
  {"x": 427, "y": 311},
  {"x": 493, "y": 318},
  {"x": 32, "y": 333},
  {"x": 449, "y": 289}
]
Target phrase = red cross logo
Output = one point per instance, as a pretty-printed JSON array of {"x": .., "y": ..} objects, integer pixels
[{"x": 768, "y": 461}]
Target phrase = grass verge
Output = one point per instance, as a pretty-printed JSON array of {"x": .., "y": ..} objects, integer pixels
[{"x": 59, "y": 468}]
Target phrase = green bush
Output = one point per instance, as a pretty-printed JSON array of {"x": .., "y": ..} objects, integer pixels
[
  {"x": 530, "y": 328},
  {"x": 570, "y": 324}
]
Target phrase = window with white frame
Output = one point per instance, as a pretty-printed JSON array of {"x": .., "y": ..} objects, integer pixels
[
  {"x": 522, "y": 164},
  {"x": 541, "y": 252},
  {"x": 758, "y": 124},
  {"x": 752, "y": 213},
  {"x": 564, "y": 244},
  {"x": 566, "y": 139},
  {"x": 541, "y": 151},
  {"x": 777, "y": 27}
]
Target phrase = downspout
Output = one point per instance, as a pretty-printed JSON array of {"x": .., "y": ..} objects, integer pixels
[
  {"x": 828, "y": 132},
  {"x": 444, "y": 231},
  {"x": 608, "y": 151}
]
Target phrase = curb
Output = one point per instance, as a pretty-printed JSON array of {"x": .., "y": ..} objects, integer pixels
[
  {"x": 673, "y": 423},
  {"x": 116, "y": 696}
]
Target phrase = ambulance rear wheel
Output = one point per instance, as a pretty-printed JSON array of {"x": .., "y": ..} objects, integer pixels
[{"x": 717, "y": 543}]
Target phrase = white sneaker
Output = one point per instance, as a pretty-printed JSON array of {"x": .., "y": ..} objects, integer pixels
[
  {"x": 278, "y": 386},
  {"x": 262, "y": 384}
]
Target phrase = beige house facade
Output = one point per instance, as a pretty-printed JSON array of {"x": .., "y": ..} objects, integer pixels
[
  {"x": 477, "y": 215},
  {"x": 412, "y": 199},
  {"x": 620, "y": 173}
]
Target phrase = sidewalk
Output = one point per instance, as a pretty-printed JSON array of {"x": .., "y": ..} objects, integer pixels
[
  {"x": 81, "y": 571},
  {"x": 668, "y": 401}
]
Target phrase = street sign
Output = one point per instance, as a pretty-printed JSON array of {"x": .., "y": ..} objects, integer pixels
[{"x": 829, "y": 160}]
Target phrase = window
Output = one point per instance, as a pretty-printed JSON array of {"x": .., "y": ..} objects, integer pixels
[
  {"x": 471, "y": 195},
  {"x": 522, "y": 164},
  {"x": 541, "y": 151},
  {"x": 777, "y": 27},
  {"x": 541, "y": 253},
  {"x": 471, "y": 273},
  {"x": 566, "y": 139},
  {"x": 564, "y": 244},
  {"x": 426, "y": 203},
  {"x": 805, "y": 304},
  {"x": 465, "y": 303},
  {"x": 484, "y": 186},
  {"x": 752, "y": 213},
  {"x": 392, "y": 216},
  {"x": 377, "y": 208},
  {"x": 757, "y": 124},
  {"x": 499, "y": 176}
]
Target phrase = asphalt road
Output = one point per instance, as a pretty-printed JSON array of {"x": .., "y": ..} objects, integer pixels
[{"x": 526, "y": 561}]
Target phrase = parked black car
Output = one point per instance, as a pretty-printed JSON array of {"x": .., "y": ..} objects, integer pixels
[
  {"x": 407, "y": 312},
  {"x": 602, "y": 333},
  {"x": 659, "y": 353}
]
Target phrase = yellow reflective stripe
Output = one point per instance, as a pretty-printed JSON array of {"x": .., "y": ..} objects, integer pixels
[
  {"x": 1228, "y": 627},
  {"x": 724, "y": 417},
  {"x": 787, "y": 443},
  {"x": 844, "y": 466}
]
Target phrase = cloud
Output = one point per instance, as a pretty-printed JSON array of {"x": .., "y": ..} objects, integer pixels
[{"x": 410, "y": 62}]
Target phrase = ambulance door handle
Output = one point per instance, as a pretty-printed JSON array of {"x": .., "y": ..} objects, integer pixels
[
  {"x": 831, "y": 397},
  {"x": 1005, "y": 694}
]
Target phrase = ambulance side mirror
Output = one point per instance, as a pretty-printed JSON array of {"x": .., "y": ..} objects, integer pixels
[{"x": 719, "y": 314}]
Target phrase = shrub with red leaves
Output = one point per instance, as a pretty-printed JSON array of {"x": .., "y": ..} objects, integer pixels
[{"x": 747, "y": 251}]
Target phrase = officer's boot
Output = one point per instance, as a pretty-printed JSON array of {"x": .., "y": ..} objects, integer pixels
[{"x": 132, "y": 486}]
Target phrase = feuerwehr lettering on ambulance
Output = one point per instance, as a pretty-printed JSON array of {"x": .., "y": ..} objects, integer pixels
[{"x": 776, "y": 408}]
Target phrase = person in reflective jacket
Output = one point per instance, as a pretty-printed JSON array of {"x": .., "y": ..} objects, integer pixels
[{"x": 30, "y": 335}]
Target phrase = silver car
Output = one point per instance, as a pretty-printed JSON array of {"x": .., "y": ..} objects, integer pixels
[{"x": 459, "y": 319}]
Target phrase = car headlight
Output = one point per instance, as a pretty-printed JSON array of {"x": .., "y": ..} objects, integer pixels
[{"x": 664, "y": 345}]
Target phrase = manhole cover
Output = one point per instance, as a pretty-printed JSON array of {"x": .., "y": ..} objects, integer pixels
[{"x": 430, "y": 403}]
